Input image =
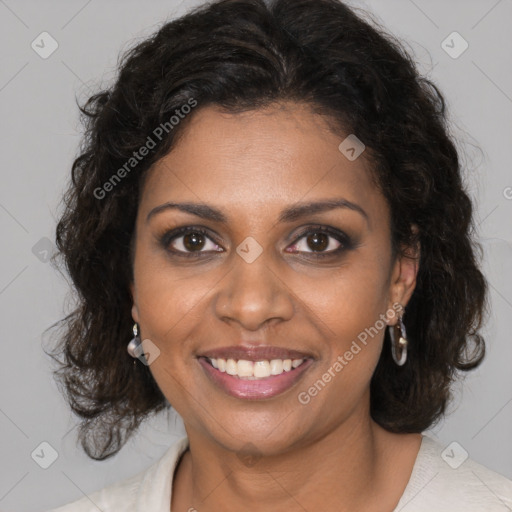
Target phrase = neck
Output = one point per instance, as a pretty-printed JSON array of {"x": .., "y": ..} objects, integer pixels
[{"x": 349, "y": 468}]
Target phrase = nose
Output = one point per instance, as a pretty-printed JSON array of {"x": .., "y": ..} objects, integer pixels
[{"x": 253, "y": 295}]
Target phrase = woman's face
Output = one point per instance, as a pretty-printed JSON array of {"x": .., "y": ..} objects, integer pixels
[{"x": 265, "y": 275}]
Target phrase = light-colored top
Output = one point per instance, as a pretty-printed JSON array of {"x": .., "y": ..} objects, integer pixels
[{"x": 442, "y": 480}]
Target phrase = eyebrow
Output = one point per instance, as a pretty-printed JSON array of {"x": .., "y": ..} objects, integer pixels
[{"x": 289, "y": 214}]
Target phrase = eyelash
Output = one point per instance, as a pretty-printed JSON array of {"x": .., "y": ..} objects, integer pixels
[{"x": 344, "y": 240}]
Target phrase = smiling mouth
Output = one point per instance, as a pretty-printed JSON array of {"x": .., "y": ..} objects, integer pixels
[
  {"x": 254, "y": 370},
  {"x": 254, "y": 380}
]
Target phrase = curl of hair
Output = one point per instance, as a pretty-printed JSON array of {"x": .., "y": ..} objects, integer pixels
[{"x": 242, "y": 55}]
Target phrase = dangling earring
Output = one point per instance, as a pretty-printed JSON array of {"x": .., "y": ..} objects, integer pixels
[
  {"x": 135, "y": 346},
  {"x": 398, "y": 342}
]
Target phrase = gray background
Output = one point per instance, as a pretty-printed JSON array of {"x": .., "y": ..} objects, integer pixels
[{"x": 40, "y": 135}]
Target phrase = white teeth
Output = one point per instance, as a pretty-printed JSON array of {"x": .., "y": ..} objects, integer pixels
[
  {"x": 261, "y": 369},
  {"x": 231, "y": 367},
  {"x": 276, "y": 366},
  {"x": 245, "y": 368},
  {"x": 255, "y": 370}
]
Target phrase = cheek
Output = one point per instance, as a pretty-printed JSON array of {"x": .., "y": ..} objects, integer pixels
[
  {"x": 169, "y": 299},
  {"x": 348, "y": 306},
  {"x": 349, "y": 315},
  {"x": 348, "y": 299},
  {"x": 169, "y": 307}
]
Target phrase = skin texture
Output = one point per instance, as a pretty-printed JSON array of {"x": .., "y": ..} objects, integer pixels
[{"x": 328, "y": 454}]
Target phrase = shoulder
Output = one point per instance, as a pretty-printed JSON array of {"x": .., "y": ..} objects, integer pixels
[
  {"x": 147, "y": 490},
  {"x": 445, "y": 478},
  {"x": 121, "y": 494}
]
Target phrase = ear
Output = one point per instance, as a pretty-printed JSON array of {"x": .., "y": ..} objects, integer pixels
[
  {"x": 404, "y": 273},
  {"x": 135, "y": 310}
]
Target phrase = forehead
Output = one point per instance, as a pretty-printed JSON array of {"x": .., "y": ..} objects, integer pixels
[{"x": 258, "y": 161}]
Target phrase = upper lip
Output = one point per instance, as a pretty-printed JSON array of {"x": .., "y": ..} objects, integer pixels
[{"x": 260, "y": 353}]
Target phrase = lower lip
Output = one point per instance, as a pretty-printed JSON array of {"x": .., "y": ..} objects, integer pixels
[{"x": 255, "y": 389}]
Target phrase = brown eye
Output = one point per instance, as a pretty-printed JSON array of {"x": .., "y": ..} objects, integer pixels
[
  {"x": 189, "y": 240},
  {"x": 317, "y": 241},
  {"x": 193, "y": 241}
]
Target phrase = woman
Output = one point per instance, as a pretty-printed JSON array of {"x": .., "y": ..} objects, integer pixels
[{"x": 268, "y": 216}]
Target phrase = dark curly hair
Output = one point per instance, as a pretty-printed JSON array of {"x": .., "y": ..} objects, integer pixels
[{"x": 242, "y": 55}]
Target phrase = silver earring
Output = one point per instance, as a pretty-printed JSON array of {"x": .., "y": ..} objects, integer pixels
[
  {"x": 398, "y": 342},
  {"x": 135, "y": 346}
]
